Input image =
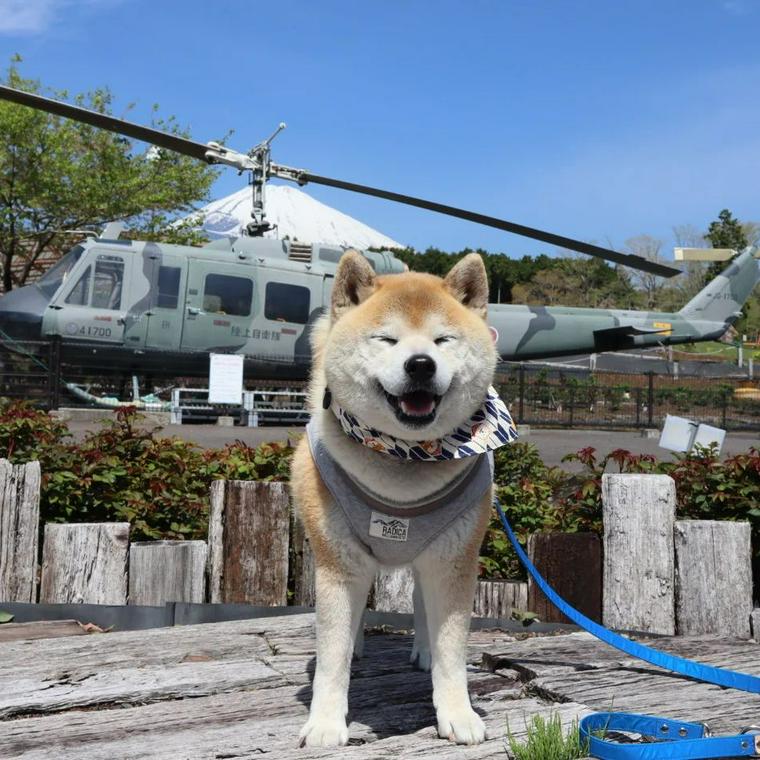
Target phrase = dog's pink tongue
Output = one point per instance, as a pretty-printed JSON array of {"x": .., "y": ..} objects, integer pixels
[{"x": 417, "y": 404}]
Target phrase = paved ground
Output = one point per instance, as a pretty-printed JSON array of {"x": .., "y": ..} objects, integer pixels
[{"x": 553, "y": 444}]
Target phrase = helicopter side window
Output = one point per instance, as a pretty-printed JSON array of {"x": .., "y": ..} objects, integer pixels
[
  {"x": 224, "y": 294},
  {"x": 287, "y": 303},
  {"x": 80, "y": 293},
  {"x": 168, "y": 287},
  {"x": 109, "y": 278}
]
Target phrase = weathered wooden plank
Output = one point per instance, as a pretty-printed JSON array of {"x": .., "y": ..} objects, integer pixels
[
  {"x": 249, "y": 526},
  {"x": 754, "y": 621},
  {"x": 303, "y": 567},
  {"x": 497, "y": 598},
  {"x": 393, "y": 590},
  {"x": 713, "y": 577},
  {"x": 232, "y": 725},
  {"x": 251, "y": 687},
  {"x": 135, "y": 667},
  {"x": 85, "y": 563},
  {"x": 19, "y": 530},
  {"x": 565, "y": 655},
  {"x": 390, "y": 717},
  {"x": 638, "y": 577},
  {"x": 43, "y": 629},
  {"x": 653, "y": 693},
  {"x": 571, "y": 563},
  {"x": 154, "y": 649},
  {"x": 167, "y": 571}
]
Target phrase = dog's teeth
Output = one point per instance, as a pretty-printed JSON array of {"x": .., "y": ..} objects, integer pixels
[{"x": 418, "y": 408}]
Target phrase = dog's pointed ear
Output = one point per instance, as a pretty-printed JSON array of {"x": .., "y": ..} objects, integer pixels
[
  {"x": 468, "y": 283},
  {"x": 354, "y": 282}
]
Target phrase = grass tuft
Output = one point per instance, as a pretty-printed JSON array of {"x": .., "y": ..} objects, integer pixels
[{"x": 547, "y": 741}]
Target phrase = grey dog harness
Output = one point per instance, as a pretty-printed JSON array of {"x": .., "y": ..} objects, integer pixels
[{"x": 396, "y": 533}]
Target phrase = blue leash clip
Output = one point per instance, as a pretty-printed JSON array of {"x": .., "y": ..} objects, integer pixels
[{"x": 669, "y": 738}]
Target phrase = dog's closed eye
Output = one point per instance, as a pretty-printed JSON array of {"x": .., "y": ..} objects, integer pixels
[{"x": 386, "y": 339}]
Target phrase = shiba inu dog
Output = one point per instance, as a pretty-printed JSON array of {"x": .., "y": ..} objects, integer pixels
[{"x": 395, "y": 470}]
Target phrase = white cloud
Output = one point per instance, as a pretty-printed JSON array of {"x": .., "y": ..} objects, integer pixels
[
  {"x": 36, "y": 16},
  {"x": 739, "y": 7},
  {"x": 25, "y": 16}
]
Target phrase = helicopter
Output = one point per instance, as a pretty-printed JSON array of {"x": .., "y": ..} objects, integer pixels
[{"x": 145, "y": 306}]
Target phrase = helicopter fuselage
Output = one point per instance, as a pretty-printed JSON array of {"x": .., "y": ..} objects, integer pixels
[{"x": 146, "y": 307}]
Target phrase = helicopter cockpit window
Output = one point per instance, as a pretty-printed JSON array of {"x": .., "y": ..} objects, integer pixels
[
  {"x": 56, "y": 276},
  {"x": 80, "y": 293},
  {"x": 224, "y": 294},
  {"x": 109, "y": 278},
  {"x": 168, "y": 287},
  {"x": 287, "y": 303}
]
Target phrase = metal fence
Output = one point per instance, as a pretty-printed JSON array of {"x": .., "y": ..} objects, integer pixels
[
  {"x": 537, "y": 395},
  {"x": 554, "y": 397}
]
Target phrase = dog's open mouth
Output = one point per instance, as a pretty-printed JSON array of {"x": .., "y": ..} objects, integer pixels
[{"x": 415, "y": 408}]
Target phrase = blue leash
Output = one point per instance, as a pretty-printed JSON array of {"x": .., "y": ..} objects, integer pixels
[{"x": 676, "y": 739}]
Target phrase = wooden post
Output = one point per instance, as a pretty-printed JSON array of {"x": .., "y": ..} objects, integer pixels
[
  {"x": 85, "y": 563},
  {"x": 571, "y": 563},
  {"x": 393, "y": 590},
  {"x": 713, "y": 578},
  {"x": 167, "y": 571},
  {"x": 302, "y": 566},
  {"x": 497, "y": 599},
  {"x": 19, "y": 527},
  {"x": 638, "y": 577},
  {"x": 249, "y": 527}
]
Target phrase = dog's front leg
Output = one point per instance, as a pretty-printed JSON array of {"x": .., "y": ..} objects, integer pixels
[
  {"x": 447, "y": 589},
  {"x": 340, "y": 604}
]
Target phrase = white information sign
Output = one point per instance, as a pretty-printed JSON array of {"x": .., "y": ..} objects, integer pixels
[
  {"x": 225, "y": 378},
  {"x": 680, "y": 434}
]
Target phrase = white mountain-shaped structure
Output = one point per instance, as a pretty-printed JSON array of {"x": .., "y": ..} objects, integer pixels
[{"x": 296, "y": 215}]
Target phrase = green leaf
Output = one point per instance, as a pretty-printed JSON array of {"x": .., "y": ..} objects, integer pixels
[{"x": 5, "y": 617}]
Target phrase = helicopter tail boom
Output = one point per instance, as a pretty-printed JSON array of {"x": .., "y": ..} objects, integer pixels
[{"x": 723, "y": 298}]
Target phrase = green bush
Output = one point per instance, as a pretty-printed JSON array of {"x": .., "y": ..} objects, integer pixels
[
  {"x": 526, "y": 488},
  {"x": 125, "y": 472},
  {"x": 27, "y": 433},
  {"x": 160, "y": 484}
]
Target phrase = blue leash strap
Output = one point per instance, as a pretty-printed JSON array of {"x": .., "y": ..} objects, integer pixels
[
  {"x": 673, "y": 739},
  {"x": 668, "y": 739},
  {"x": 695, "y": 670}
]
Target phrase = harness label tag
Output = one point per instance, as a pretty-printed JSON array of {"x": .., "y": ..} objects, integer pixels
[{"x": 388, "y": 527}]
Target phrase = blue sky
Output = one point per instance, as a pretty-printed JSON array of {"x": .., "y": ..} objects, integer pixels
[{"x": 596, "y": 119}]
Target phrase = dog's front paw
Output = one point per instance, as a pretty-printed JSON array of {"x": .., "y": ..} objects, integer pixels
[
  {"x": 462, "y": 726},
  {"x": 324, "y": 731},
  {"x": 420, "y": 657}
]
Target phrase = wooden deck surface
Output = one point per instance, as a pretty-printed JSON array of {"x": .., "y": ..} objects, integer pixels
[{"x": 242, "y": 689}]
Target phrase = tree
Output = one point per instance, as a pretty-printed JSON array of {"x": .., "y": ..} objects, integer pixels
[
  {"x": 680, "y": 290},
  {"x": 651, "y": 284},
  {"x": 58, "y": 175},
  {"x": 578, "y": 281},
  {"x": 727, "y": 232},
  {"x": 751, "y": 232}
]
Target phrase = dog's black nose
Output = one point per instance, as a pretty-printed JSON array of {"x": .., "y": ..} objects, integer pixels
[{"x": 420, "y": 367}]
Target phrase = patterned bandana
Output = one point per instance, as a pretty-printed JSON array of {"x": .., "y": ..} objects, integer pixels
[{"x": 489, "y": 428}]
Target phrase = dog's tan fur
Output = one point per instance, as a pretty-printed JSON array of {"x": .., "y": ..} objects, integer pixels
[{"x": 417, "y": 307}]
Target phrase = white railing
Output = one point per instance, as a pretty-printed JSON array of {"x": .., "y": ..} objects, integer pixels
[{"x": 255, "y": 406}]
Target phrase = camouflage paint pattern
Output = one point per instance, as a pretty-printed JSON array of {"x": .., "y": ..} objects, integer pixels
[{"x": 522, "y": 332}]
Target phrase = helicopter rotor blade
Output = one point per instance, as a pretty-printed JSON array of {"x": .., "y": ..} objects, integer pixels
[
  {"x": 207, "y": 153},
  {"x": 626, "y": 259},
  {"x": 110, "y": 123}
]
